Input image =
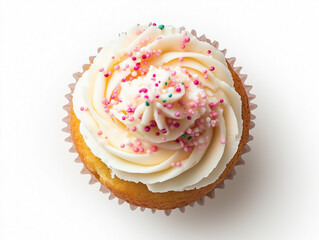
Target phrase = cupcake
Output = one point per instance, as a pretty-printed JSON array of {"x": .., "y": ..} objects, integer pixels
[{"x": 160, "y": 117}]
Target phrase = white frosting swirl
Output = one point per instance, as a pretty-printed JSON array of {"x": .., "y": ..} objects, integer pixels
[{"x": 158, "y": 106}]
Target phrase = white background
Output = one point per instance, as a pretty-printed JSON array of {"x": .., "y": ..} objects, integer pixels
[{"x": 44, "y": 196}]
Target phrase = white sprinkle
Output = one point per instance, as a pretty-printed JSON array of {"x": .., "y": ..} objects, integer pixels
[
  {"x": 134, "y": 73},
  {"x": 203, "y": 110},
  {"x": 138, "y": 54},
  {"x": 195, "y": 76}
]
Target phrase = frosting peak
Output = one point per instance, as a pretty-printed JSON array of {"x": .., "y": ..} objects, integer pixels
[{"x": 161, "y": 109}]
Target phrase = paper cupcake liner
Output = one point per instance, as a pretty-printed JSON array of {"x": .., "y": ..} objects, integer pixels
[{"x": 201, "y": 201}]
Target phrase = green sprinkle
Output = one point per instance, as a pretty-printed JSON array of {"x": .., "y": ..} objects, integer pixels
[
  {"x": 164, "y": 100},
  {"x": 161, "y": 26},
  {"x": 170, "y": 95},
  {"x": 165, "y": 83},
  {"x": 147, "y": 104},
  {"x": 184, "y": 135},
  {"x": 169, "y": 78},
  {"x": 189, "y": 138},
  {"x": 182, "y": 83}
]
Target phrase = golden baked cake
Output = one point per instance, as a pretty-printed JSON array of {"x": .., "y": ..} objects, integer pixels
[{"x": 160, "y": 117}]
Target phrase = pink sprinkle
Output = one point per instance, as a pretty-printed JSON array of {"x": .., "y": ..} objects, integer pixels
[
  {"x": 157, "y": 133},
  {"x": 101, "y": 69},
  {"x": 141, "y": 149},
  {"x": 205, "y": 76},
  {"x": 213, "y": 125},
  {"x": 139, "y": 143},
  {"x": 157, "y": 96},
  {"x": 138, "y": 32},
  {"x": 134, "y": 58},
  {"x": 182, "y": 46},
  {"x": 106, "y": 75},
  {"x": 147, "y": 129},
  {"x": 111, "y": 114},
  {"x": 189, "y": 117},
  {"x": 221, "y": 100},
  {"x": 109, "y": 73},
  {"x": 122, "y": 145},
  {"x": 187, "y": 39},
  {"x": 176, "y": 125},
  {"x": 131, "y": 144},
  {"x": 189, "y": 131},
  {"x": 222, "y": 141},
  {"x": 154, "y": 148},
  {"x": 173, "y": 164},
  {"x": 200, "y": 147},
  {"x": 136, "y": 149},
  {"x": 123, "y": 118},
  {"x": 196, "y": 82},
  {"x": 209, "y": 51},
  {"x": 178, "y": 89},
  {"x": 131, "y": 118},
  {"x": 212, "y": 68},
  {"x": 116, "y": 67},
  {"x": 177, "y": 114},
  {"x": 156, "y": 84},
  {"x": 178, "y": 164},
  {"x": 153, "y": 124},
  {"x": 133, "y": 128},
  {"x": 99, "y": 132},
  {"x": 163, "y": 138},
  {"x": 181, "y": 59},
  {"x": 144, "y": 56},
  {"x": 86, "y": 109},
  {"x": 82, "y": 108},
  {"x": 124, "y": 80},
  {"x": 173, "y": 73},
  {"x": 215, "y": 114},
  {"x": 205, "y": 71}
]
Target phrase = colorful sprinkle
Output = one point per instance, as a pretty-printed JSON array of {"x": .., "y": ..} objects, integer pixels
[
  {"x": 99, "y": 132},
  {"x": 161, "y": 26},
  {"x": 154, "y": 148},
  {"x": 82, "y": 108},
  {"x": 222, "y": 141},
  {"x": 147, "y": 104},
  {"x": 212, "y": 68}
]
